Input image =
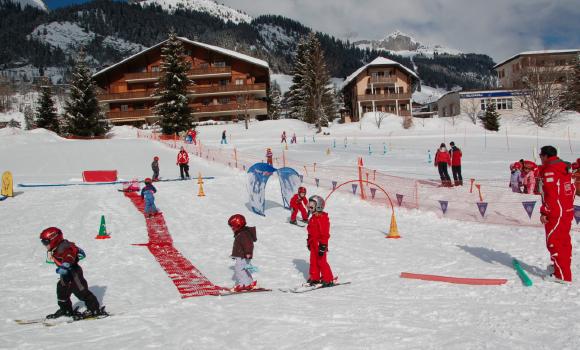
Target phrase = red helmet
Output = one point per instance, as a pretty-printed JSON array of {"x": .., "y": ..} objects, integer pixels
[
  {"x": 517, "y": 165},
  {"x": 302, "y": 189},
  {"x": 237, "y": 222},
  {"x": 51, "y": 237},
  {"x": 155, "y": 158},
  {"x": 147, "y": 180}
]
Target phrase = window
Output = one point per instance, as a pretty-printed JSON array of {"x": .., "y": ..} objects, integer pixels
[
  {"x": 124, "y": 108},
  {"x": 219, "y": 64},
  {"x": 155, "y": 68},
  {"x": 224, "y": 100},
  {"x": 374, "y": 75},
  {"x": 241, "y": 99},
  {"x": 206, "y": 101},
  {"x": 239, "y": 81},
  {"x": 223, "y": 82},
  {"x": 204, "y": 65}
]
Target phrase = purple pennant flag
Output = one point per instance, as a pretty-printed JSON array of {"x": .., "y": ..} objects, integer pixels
[
  {"x": 444, "y": 205},
  {"x": 354, "y": 186},
  {"x": 577, "y": 213},
  {"x": 529, "y": 207},
  {"x": 333, "y": 185},
  {"x": 399, "y": 199},
  {"x": 482, "y": 206},
  {"x": 317, "y": 182},
  {"x": 301, "y": 178},
  {"x": 373, "y": 192}
]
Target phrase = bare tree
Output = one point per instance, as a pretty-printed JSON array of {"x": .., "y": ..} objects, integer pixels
[
  {"x": 379, "y": 117},
  {"x": 542, "y": 93},
  {"x": 471, "y": 108}
]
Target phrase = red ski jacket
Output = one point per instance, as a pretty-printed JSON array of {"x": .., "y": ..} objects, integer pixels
[
  {"x": 182, "y": 157},
  {"x": 442, "y": 157},
  {"x": 455, "y": 154},
  {"x": 296, "y": 202},
  {"x": 557, "y": 188},
  {"x": 65, "y": 252},
  {"x": 318, "y": 228}
]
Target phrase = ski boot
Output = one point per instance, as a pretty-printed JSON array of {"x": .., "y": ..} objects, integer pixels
[
  {"x": 293, "y": 222},
  {"x": 91, "y": 313},
  {"x": 304, "y": 221},
  {"x": 327, "y": 284},
  {"x": 313, "y": 282},
  {"x": 63, "y": 312}
]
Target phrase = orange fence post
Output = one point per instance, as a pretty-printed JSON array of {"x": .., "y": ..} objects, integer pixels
[
  {"x": 306, "y": 170},
  {"x": 479, "y": 190},
  {"x": 236, "y": 157},
  {"x": 360, "y": 179},
  {"x": 314, "y": 168},
  {"x": 471, "y": 186}
]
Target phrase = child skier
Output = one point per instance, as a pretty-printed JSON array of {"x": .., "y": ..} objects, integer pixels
[
  {"x": 66, "y": 256},
  {"x": 283, "y": 137},
  {"x": 293, "y": 139},
  {"x": 299, "y": 203},
  {"x": 224, "y": 138},
  {"x": 147, "y": 193},
  {"x": 528, "y": 176},
  {"x": 515, "y": 179},
  {"x": 242, "y": 252},
  {"x": 269, "y": 156},
  {"x": 155, "y": 168},
  {"x": 317, "y": 243}
]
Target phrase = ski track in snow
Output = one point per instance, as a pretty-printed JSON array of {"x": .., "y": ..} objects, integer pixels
[{"x": 378, "y": 310}]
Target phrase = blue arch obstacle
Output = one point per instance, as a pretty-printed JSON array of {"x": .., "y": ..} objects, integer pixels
[{"x": 258, "y": 175}]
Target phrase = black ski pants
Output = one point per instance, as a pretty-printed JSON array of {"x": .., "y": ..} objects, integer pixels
[
  {"x": 184, "y": 168},
  {"x": 75, "y": 283},
  {"x": 443, "y": 173},
  {"x": 456, "y": 170}
]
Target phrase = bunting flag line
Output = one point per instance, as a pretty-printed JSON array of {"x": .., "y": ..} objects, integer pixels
[
  {"x": 529, "y": 207},
  {"x": 317, "y": 181},
  {"x": 482, "y": 206},
  {"x": 334, "y": 183},
  {"x": 577, "y": 213},
  {"x": 373, "y": 192},
  {"x": 354, "y": 187},
  {"x": 400, "y": 199},
  {"x": 444, "y": 205}
]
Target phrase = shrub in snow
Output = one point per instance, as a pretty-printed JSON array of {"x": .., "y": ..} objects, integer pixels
[{"x": 490, "y": 119}]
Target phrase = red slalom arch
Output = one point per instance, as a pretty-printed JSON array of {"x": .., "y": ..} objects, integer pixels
[
  {"x": 365, "y": 181},
  {"x": 190, "y": 282},
  {"x": 455, "y": 280}
]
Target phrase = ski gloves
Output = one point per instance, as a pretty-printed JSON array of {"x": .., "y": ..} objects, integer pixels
[
  {"x": 251, "y": 268},
  {"x": 63, "y": 269}
]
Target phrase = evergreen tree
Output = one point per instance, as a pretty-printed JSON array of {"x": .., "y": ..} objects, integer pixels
[
  {"x": 46, "y": 116},
  {"x": 275, "y": 105},
  {"x": 29, "y": 122},
  {"x": 82, "y": 112},
  {"x": 297, "y": 94},
  {"x": 490, "y": 119},
  {"x": 572, "y": 93},
  {"x": 172, "y": 105}
]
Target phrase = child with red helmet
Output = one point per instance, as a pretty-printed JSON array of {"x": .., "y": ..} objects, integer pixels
[
  {"x": 269, "y": 156},
  {"x": 66, "y": 256},
  {"x": 515, "y": 179},
  {"x": 155, "y": 168},
  {"x": 299, "y": 202},
  {"x": 317, "y": 243},
  {"x": 147, "y": 193},
  {"x": 243, "y": 252}
]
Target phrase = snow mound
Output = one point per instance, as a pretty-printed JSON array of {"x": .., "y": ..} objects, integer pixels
[{"x": 123, "y": 132}]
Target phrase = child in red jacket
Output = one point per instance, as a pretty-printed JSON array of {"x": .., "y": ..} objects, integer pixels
[
  {"x": 442, "y": 161},
  {"x": 299, "y": 203},
  {"x": 317, "y": 243}
]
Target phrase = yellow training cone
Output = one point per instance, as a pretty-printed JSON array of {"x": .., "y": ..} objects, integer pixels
[
  {"x": 200, "y": 192},
  {"x": 393, "y": 231}
]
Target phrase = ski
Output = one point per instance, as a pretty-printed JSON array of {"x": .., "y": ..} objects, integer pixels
[
  {"x": 255, "y": 290},
  {"x": 521, "y": 273},
  {"x": 309, "y": 288},
  {"x": 50, "y": 322},
  {"x": 297, "y": 224}
]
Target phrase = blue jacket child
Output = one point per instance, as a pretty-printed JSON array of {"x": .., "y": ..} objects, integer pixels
[{"x": 147, "y": 194}]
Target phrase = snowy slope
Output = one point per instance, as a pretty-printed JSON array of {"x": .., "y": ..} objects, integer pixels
[
  {"x": 405, "y": 45},
  {"x": 378, "y": 310},
  {"x": 227, "y": 14},
  {"x": 39, "y": 4}
]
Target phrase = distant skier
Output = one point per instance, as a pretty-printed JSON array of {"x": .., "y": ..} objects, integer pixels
[
  {"x": 194, "y": 136},
  {"x": 455, "y": 155},
  {"x": 557, "y": 212},
  {"x": 148, "y": 194},
  {"x": 515, "y": 178},
  {"x": 224, "y": 138},
  {"x": 317, "y": 243},
  {"x": 66, "y": 256},
  {"x": 283, "y": 137},
  {"x": 293, "y": 139},
  {"x": 442, "y": 161},
  {"x": 155, "y": 168},
  {"x": 299, "y": 203},
  {"x": 243, "y": 252},
  {"x": 183, "y": 162},
  {"x": 269, "y": 156}
]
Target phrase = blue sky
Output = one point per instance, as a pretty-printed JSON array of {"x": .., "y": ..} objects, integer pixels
[{"x": 499, "y": 28}]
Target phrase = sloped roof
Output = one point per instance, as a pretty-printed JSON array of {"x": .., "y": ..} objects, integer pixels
[
  {"x": 379, "y": 61},
  {"x": 221, "y": 50},
  {"x": 538, "y": 52}
]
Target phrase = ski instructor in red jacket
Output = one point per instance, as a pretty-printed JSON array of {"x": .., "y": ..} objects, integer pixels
[
  {"x": 455, "y": 154},
  {"x": 318, "y": 235},
  {"x": 183, "y": 162},
  {"x": 557, "y": 212}
]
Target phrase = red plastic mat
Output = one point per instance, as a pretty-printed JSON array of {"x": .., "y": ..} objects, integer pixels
[{"x": 99, "y": 175}]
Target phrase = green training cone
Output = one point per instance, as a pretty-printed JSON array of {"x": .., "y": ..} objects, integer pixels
[{"x": 103, "y": 230}]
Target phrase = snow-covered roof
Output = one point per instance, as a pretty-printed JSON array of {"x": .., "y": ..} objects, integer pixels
[
  {"x": 379, "y": 61},
  {"x": 226, "y": 52},
  {"x": 538, "y": 52}
]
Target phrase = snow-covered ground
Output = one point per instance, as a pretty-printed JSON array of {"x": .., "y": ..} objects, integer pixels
[{"x": 378, "y": 310}]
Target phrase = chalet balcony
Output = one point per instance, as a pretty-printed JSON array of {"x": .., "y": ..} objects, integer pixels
[
  {"x": 194, "y": 73},
  {"x": 384, "y": 97},
  {"x": 129, "y": 116},
  {"x": 250, "y": 107},
  {"x": 382, "y": 80},
  {"x": 127, "y": 96},
  {"x": 255, "y": 89}
]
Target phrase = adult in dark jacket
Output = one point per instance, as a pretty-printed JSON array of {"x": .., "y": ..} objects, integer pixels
[
  {"x": 455, "y": 155},
  {"x": 442, "y": 161},
  {"x": 242, "y": 252}
]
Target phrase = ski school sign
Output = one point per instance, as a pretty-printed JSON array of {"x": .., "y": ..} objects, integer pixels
[{"x": 491, "y": 94}]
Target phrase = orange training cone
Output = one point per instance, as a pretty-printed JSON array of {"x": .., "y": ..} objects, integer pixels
[
  {"x": 393, "y": 231},
  {"x": 200, "y": 192},
  {"x": 103, "y": 230}
]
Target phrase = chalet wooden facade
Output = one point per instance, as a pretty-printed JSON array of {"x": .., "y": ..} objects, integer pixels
[
  {"x": 226, "y": 85},
  {"x": 380, "y": 86}
]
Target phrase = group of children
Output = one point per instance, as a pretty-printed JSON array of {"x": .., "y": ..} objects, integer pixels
[
  {"x": 523, "y": 176},
  {"x": 283, "y": 138}
]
